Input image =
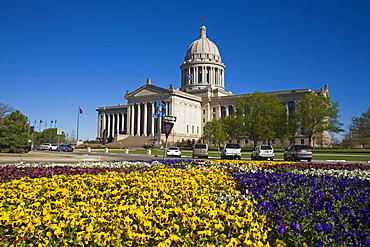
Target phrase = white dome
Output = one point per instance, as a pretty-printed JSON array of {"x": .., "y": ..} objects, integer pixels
[
  {"x": 203, "y": 49},
  {"x": 202, "y": 67}
]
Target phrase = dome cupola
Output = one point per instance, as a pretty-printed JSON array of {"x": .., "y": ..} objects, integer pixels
[{"x": 202, "y": 67}]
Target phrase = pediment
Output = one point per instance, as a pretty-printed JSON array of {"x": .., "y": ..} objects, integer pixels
[{"x": 146, "y": 90}]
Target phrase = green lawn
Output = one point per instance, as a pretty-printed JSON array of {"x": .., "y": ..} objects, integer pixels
[{"x": 318, "y": 154}]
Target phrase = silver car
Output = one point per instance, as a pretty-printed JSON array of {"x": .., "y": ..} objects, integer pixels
[
  {"x": 298, "y": 153},
  {"x": 65, "y": 148},
  {"x": 263, "y": 152}
]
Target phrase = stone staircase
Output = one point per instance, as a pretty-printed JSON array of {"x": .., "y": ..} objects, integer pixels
[{"x": 132, "y": 142}]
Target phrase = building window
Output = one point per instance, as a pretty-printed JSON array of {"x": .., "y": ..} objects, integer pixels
[
  {"x": 231, "y": 110},
  {"x": 291, "y": 107},
  {"x": 198, "y": 130},
  {"x": 204, "y": 111},
  {"x": 302, "y": 141},
  {"x": 192, "y": 129},
  {"x": 223, "y": 111},
  {"x": 204, "y": 120},
  {"x": 187, "y": 129}
]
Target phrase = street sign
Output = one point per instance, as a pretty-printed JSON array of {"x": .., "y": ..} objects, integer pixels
[
  {"x": 169, "y": 118},
  {"x": 167, "y": 128},
  {"x": 59, "y": 131}
]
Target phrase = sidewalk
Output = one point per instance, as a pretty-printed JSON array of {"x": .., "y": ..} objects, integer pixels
[{"x": 65, "y": 158}]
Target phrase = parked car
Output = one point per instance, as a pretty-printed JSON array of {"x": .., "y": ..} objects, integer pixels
[
  {"x": 53, "y": 147},
  {"x": 65, "y": 148},
  {"x": 173, "y": 152},
  {"x": 298, "y": 152},
  {"x": 36, "y": 146},
  {"x": 200, "y": 150},
  {"x": 231, "y": 151},
  {"x": 46, "y": 146},
  {"x": 261, "y": 152}
]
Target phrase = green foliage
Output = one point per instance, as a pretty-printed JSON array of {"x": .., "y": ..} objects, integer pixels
[
  {"x": 15, "y": 133},
  {"x": 260, "y": 117},
  {"x": 185, "y": 143},
  {"x": 49, "y": 136},
  {"x": 316, "y": 114},
  {"x": 215, "y": 131},
  {"x": 360, "y": 127}
]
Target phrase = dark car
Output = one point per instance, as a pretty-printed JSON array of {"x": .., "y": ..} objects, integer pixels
[
  {"x": 298, "y": 153},
  {"x": 65, "y": 148}
]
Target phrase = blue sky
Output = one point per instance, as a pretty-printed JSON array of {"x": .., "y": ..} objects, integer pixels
[{"x": 58, "y": 55}]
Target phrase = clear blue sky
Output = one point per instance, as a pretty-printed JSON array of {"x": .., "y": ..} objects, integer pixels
[{"x": 58, "y": 55}]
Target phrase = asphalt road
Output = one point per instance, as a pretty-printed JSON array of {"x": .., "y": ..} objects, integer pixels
[{"x": 62, "y": 157}]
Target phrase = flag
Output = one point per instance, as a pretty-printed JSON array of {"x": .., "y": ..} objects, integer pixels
[
  {"x": 52, "y": 121},
  {"x": 81, "y": 111},
  {"x": 40, "y": 121},
  {"x": 160, "y": 105},
  {"x": 190, "y": 76}
]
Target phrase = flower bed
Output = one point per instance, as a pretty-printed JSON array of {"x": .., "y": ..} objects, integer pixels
[
  {"x": 156, "y": 207},
  {"x": 185, "y": 203}
]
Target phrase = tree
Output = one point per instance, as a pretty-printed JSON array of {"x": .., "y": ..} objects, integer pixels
[
  {"x": 15, "y": 133},
  {"x": 214, "y": 131},
  {"x": 4, "y": 111},
  {"x": 260, "y": 117},
  {"x": 360, "y": 127},
  {"x": 315, "y": 114},
  {"x": 49, "y": 136}
]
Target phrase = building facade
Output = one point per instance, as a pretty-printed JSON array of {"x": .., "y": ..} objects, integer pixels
[{"x": 201, "y": 98}]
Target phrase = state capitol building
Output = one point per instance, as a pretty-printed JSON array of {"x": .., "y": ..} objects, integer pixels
[{"x": 201, "y": 98}]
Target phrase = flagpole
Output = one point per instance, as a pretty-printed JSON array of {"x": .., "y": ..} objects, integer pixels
[{"x": 78, "y": 120}]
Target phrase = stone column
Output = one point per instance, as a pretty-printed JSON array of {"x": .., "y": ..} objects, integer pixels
[
  {"x": 108, "y": 129},
  {"x": 227, "y": 111},
  {"x": 128, "y": 120},
  {"x": 113, "y": 124},
  {"x": 99, "y": 125},
  {"x": 104, "y": 124},
  {"x": 118, "y": 122},
  {"x": 145, "y": 120},
  {"x": 132, "y": 120},
  {"x": 138, "y": 119}
]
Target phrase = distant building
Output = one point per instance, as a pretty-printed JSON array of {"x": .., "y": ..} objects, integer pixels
[{"x": 201, "y": 98}]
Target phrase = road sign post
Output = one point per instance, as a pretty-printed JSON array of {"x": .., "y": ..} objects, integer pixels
[{"x": 168, "y": 122}]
